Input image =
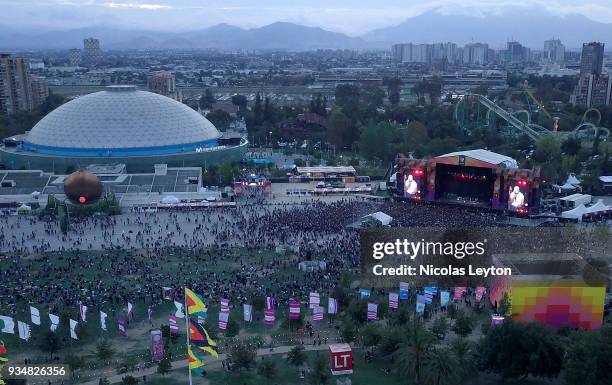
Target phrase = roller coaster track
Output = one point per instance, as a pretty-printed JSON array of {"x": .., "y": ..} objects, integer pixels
[{"x": 512, "y": 120}]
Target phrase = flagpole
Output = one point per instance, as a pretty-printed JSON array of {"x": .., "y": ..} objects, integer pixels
[{"x": 188, "y": 331}]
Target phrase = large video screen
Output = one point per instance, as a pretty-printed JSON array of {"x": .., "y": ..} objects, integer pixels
[
  {"x": 412, "y": 185},
  {"x": 517, "y": 197}
]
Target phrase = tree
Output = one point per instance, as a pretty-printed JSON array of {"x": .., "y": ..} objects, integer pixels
[
  {"x": 504, "y": 306},
  {"x": 465, "y": 360},
  {"x": 220, "y": 119},
  {"x": 441, "y": 367},
  {"x": 50, "y": 343},
  {"x": 129, "y": 380},
  {"x": 371, "y": 335},
  {"x": 104, "y": 381},
  {"x": 463, "y": 324},
  {"x": 240, "y": 101},
  {"x": 227, "y": 171},
  {"x": 393, "y": 89},
  {"x": 258, "y": 116},
  {"x": 319, "y": 373},
  {"x": 242, "y": 356},
  {"x": 339, "y": 130},
  {"x": 412, "y": 354},
  {"x": 517, "y": 350},
  {"x": 296, "y": 356},
  {"x": 207, "y": 99},
  {"x": 233, "y": 328},
  {"x": 267, "y": 369},
  {"x": 571, "y": 146},
  {"x": 440, "y": 327},
  {"x": 164, "y": 366},
  {"x": 548, "y": 154},
  {"x": 588, "y": 358},
  {"x": 348, "y": 332},
  {"x": 104, "y": 350}
]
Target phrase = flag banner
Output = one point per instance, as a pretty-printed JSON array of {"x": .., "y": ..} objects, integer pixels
[
  {"x": 194, "y": 362},
  {"x": 423, "y": 299},
  {"x": 121, "y": 325},
  {"x": 420, "y": 307},
  {"x": 73, "y": 326},
  {"x": 7, "y": 325},
  {"x": 223, "y": 319},
  {"x": 363, "y": 293},
  {"x": 479, "y": 293},
  {"x": 224, "y": 306},
  {"x": 372, "y": 311},
  {"x": 83, "y": 312},
  {"x": 459, "y": 293},
  {"x": 430, "y": 292},
  {"x": 332, "y": 306},
  {"x": 201, "y": 320},
  {"x": 54, "y": 322},
  {"x": 269, "y": 316},
  {"x": 199, "y": 337},
  {"x": 130, "y": 311},
  {"x": 444, "y": 297},
  {"x": 24, "y": 330},
  {"x": 149, "y": 313},
  {"x": 393, "y": 300},
  {"x": 294, "y": 309},
  {"x": 157, "y": 345},
  {"x": 103, "y": 317},
  {"x": 317, "y": 313},
  {"x": 172, "y": 322},
  {"x": 179, "y": 310},
  {"x": 404, "y": 290},
  {"x": 248, "y": 312},
  {"x": 35, "y": 315},
  {"x": 167, "y": 293},
  {"x": 314, "y": 299},
  {"x": 195, "y": 304},
  {"x": 270, "y": 303}
]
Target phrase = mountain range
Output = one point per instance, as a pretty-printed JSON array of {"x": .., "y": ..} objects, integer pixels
[{"x": 530, "y": 28}]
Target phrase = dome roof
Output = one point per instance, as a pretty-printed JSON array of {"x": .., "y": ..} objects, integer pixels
[{"x": 121, "y": 117}]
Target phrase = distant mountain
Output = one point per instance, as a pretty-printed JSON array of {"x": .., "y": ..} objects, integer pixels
[
  {"x": 530, "y": 26},
  {"x": 277, "y": 35}
]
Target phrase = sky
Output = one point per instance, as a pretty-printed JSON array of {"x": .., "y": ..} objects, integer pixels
[{"x": 353, "y": 17}]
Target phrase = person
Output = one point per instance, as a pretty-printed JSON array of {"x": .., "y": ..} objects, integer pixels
[
  {"x": 517, "y": 199},
  {"x": 410, "y": 185}
]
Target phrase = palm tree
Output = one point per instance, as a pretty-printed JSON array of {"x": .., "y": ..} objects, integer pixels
[
  {"x": 465, "y": 359},
  {"x": 441, "y": 367},
  {"x": 412, "y": 355}
]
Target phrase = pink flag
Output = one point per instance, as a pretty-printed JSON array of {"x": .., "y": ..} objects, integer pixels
[
  {"x": 314, "y": 299},
  {"x": 121, "y": 325},
  {"x": 172, "y": 321},
  {"x": 294, "y": 309},
  {"x": 269, "y": 312},
  {"x": 372, "y": 311},
  {"x": 479, "y": 293},
  {"x": 393, "y": 300},
  {"x": 459, "y": 292}
]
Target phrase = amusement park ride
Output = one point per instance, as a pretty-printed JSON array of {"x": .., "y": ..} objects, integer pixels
[{"x": 474, "y": 111}]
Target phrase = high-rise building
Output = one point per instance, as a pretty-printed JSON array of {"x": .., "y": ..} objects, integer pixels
[
  {"x": 40, "y": 90},
  {"x": 424, "y": 53},
  {"x": 164, "y": 83},
  {"x": 15, "y": 85},
  {"x": 91, "y": 51},
  {"x": 594, "y": 88},
  {"x": 516, "y": 53},
  {"x": 554, "y": 51},
  {"x": 476, "y": 53},
  {"x": 591, "y": 60},
  {"x": 75, "y": 57}
]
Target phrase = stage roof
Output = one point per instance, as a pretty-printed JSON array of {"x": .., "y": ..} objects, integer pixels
[{"x": 481, "y": 155}]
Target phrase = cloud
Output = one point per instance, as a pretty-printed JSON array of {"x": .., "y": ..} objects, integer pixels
[{"x": 151, "y": 7}]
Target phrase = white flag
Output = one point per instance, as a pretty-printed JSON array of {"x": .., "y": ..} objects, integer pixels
[
  {"x": 35, "y": 315},
  {"x": 73, "y": 325},
  {"x": 103, "y": 316},
  {"x": 332, "y": 306},
  {"x": 54, "y": 322},
  {"x": 129, "y": 310},
  {"x": 83, "y": 312},
  {"x": 248, "y": 313},
  {"x": 24, "y": 330},
  {"x": 7, "y": 325},
  {"x": 179, "y": 310}
]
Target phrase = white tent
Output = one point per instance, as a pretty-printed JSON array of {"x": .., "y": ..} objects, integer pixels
[
  {"x": 24, "y": 207},
  {"x": 575, "y": 213},
  {"x": 383, "y": 218},
  {"x": 170, "y": 200},
  {"x": 568, "y": 186},
  {"x": 571, "y": 179},
  {"x": 598, "y": 207}
]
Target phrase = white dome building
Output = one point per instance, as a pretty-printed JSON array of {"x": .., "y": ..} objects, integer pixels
[{"x": 120, "y": 125}]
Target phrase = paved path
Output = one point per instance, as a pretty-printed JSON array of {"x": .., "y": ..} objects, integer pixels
[{"x": 212, "y": 363}]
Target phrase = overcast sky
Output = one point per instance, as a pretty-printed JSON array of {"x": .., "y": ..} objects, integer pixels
[{"x": 353, "y": 17}]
